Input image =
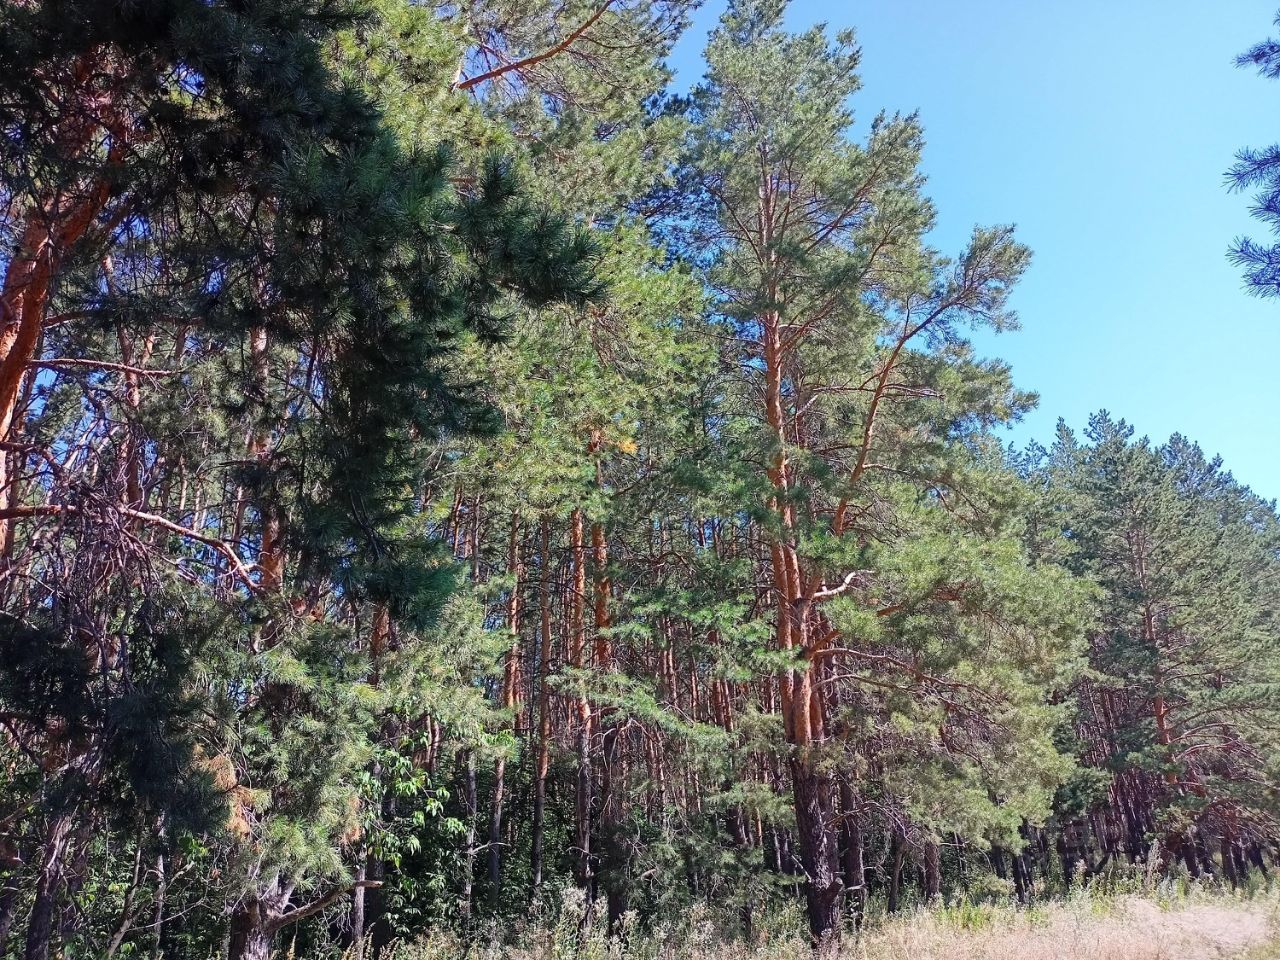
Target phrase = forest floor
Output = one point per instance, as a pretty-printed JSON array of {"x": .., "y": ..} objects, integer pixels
[{"x": 1127, "y": 928}]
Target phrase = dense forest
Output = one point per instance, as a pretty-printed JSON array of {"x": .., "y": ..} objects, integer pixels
[{"x": 442, "y": 466}]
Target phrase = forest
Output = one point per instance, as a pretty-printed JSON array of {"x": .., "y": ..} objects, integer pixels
[{"x": 446, "y": 469}]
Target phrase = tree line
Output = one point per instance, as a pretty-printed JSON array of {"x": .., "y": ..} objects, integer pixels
[{"x": 442, "y": 466}]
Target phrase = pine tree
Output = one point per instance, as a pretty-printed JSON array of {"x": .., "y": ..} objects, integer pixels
[
  {"x": 862, "y": 410},
  {"x": 440, "y": 469},
  {"x": 1259, "y": 170},
  {"x": 216, "y": 194},
  {"x": 1180, "y": 707}
]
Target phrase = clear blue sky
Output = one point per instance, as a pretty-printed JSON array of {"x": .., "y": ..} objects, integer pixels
[{"x": 1102, "y": 128}]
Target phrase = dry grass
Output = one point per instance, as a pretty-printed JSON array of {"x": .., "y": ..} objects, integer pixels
[
  {"x": 1130, "y": 928},
  {"x": 1192, "y": 925}
]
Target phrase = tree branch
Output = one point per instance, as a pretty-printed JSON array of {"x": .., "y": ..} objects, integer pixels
[
  {"x": 311, "y": 909},
  {"x": 547, "y": 54},
  {"x": 241, "y": 569},
  {"x": 58, "y": 363}
]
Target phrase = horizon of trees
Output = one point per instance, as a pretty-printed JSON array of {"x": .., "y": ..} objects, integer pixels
[{"x": 439, "y": 467}]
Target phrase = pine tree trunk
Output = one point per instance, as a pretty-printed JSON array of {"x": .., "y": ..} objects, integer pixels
[
  {"x": 1242, "y": 866},
  {"x": 48, "y": 886},
  {"x": 1207, "y": 868},
  {"x": 1229, "y": 863},
  {"x": 510, "y": 688},
  {"x": 610, "y": 782},
  {"x": 932, "y": 871},
  {"x": 583, "y": 787},
  {"x": 251, "y": 935},
  {"x": 897, "y": 853},
  {"x": 996, "y": 856},
  {"x": 582, "y": 812},
  {"x": 1188, "y": 852},
  {"x": 469, "y": 864},
  {"x": 357, "y": 912},
  {"x": 52, "y": 228},
  {"x": 162, "y": 893},
  {"x": 377, "y": 936},
  {"x": 8, "y": 910},
  {"x": 1021, "y": 885},
  {"x": 1046, "y": 855},
  {"x": 1257, "y": 859},
  {"x": 271, "y": 559},
  {"x": 855, "y": 873},
  {"x": 1067, "y": 857},
  {"x": 819, "y": 849},
  {"x": 543, "y": 760}
]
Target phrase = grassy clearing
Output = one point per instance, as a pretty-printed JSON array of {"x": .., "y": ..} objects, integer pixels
[
  {"x": 1129, "y": 928},
  {"x": 1164, "y": 923}
]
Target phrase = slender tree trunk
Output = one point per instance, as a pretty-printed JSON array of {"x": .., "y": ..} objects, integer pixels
[
  {"x": 162, "y": 893},
  {"x": 377, "y": 935},
  {"x": 855, "y": 873},
  {"x": 357, "y": 912},
  {"x": 510, "y": 693},
  {"x": 1205, "y": 857},
  {"x": 543, "y": 760},
  {"x": 469, "y": 866},
  {"x": 583, "y": 791},
  {"x": 271, "y": 559},
  {"x": 1228, "y": 863},
  {"x": 1187, "y": 850},
  {"x": 125, "y": 923},
  {"x": 610, "y": 782},
  {"x": 48, "y": 886},
  {"x": 1021, "y": 882},
  {"x": 932, "y": 871},
  {"x": 379, "y": 636},
  {"x": 897, "y": 853},
  {"x": 1242, "y": 866},
  {"x": 1067, "y": 856}
]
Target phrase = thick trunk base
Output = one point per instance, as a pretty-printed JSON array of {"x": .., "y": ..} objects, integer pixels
[{"x": 817, "y": 829}]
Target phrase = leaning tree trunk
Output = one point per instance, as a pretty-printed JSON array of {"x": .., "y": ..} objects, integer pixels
[{"x": 48, "y": 883}]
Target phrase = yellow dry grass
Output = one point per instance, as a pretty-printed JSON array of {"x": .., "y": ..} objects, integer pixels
[{"x": 1129, "y": 929}]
